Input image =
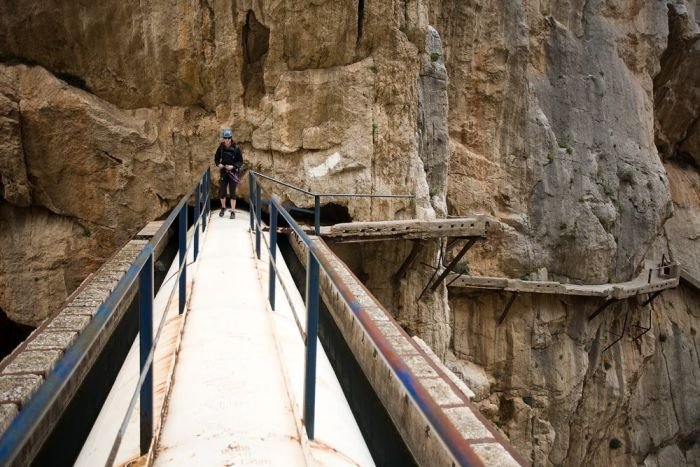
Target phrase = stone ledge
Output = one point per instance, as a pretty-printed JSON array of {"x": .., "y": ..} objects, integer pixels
[
  {"x": 459, "y": 383},
  {"x": 52, "y": 340},
  {"x": 8, "y": 412},
  {"x": 38, "y": 362},
  {"x": 402, "y": 346},
  {"x": 69, "y": 322},
  {"x": 87, "y": 302},
  {"x": 469, "y": 426},
  {"x": 150, "y": 230},
  {"x": 449, "y": 395},
  {"x": 78, "y": 310},
  {"x": 441, "y": 392},
  {"x": 494, "y": 454},
  {"x": 419, "y": 366},
  {"x": 17, "y": 389}
]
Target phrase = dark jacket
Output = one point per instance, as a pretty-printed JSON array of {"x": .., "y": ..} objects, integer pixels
[{"x": 229, "y": 156}]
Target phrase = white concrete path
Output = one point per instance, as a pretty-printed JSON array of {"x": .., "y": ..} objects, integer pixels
[{"x": 230, "y": 402}]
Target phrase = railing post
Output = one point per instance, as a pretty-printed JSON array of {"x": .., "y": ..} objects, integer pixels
[
  {"x": 317, "y": 214},
  {"x": 196, "y": 220},
  {"x": 205, "y": 200},
  {"x": 182, "y": 246},
  {"x": 251, "y": 181},
  {"x": 258, "y": 216},
  {"x": 273, "y": 252},
  {"x": 209, "y": 185},
  {"x": 311, "y": 336},
  {"x": 145, "y": 344}
]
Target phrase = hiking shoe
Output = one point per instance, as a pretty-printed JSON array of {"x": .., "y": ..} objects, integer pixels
[
  {"x": 221, "y": 212},
  {"x": 233, "y": 214}
]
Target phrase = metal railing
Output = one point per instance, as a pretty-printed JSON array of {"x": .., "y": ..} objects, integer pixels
[
  {"x": 254, "y": 194},
  {"x": 312, "y": 275},
  {"x": 23, "y": 439},
  {"x": 450, "y": 436},
  {"x": 147, "y": 343}
]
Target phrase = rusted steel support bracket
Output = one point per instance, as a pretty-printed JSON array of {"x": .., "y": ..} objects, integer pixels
[
  {"x": 645, "y": 329},
  {"x": 449, "y": 244},
  {"x": 431, "y": 278},
  {"x": 651, "y": 299},
  {"x": 513, "y": 296},
  {"x": 452, "y": 264},
  {"x": 619, "y": 336},
  {"x": 408, "y": 262},
  {"x": 600, "y": 309}
]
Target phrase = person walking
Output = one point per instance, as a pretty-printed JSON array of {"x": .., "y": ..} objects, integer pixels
[{"x": 229, "y": 159}]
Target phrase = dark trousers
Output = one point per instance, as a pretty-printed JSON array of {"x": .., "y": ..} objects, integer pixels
[{"x": 227, "y": 181}]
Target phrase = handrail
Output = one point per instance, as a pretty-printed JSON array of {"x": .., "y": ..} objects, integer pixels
[
  {"x": 312, "y": 193},
  {"x": 449, "y": 435},
  {"x": 286, "y": 291},
  {"x": 280, "y": 182},
  {"x": 22, "y": 440},
  {"x": 149, "y": 358},
  {"x": 253, "y": 182},
  {"x": 19, "y": 439}
]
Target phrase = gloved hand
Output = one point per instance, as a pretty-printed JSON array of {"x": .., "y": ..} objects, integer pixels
[
  {"x": 229, "y": 167},
  {"x": 221, "y": 166}
]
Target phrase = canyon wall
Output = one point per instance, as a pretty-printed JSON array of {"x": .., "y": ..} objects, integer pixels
[
  {"x": 111, "y": 110},
  {"x": 573, "y": 123}
]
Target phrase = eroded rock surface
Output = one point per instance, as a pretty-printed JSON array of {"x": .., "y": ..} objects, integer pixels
[
  {"x": 551, "y": 119},
  {"x": 676, "y": 91},
  {"x": 573, "y": 123},
  {"x": 556, "y": 112},
  {"x": 123, "y": 106},
  {"x": 83, "y": 176}
]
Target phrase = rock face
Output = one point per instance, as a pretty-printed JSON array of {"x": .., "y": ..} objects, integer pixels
[
  {"x": 80, "y": 176},
  {"x": 552, "y": 129},
  {"x": 130, "y": 100},
  {"x": 676, "y": 93},
  {"x": 556, "y": 112},
  {"x": 433, "y": 136},
  {"x": 573, "y": 123}
]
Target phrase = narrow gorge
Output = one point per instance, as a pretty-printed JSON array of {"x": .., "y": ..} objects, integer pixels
[{"x": 573, "y": 125}]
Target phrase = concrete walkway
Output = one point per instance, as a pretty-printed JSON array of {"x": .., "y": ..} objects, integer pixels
[
  {"x": 233, "y": 400},
  {"x": 229, "y": 403}
]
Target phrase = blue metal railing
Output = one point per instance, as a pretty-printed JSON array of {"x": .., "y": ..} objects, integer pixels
[
  {"x": 144, "y": 386},
  {"x": 450, "y": 436},
  {"x": 26, "y": 434},
  {"x": 254, "y": 176},
  {"x": 312, "y": 275}
]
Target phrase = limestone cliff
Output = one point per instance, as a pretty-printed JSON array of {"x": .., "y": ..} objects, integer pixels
[
  {"x": 79, "y": 176},
  {"x": 556, "y": 112},
  {"x": 113, "y": 109},
  {"x": 574, "y": 123}
]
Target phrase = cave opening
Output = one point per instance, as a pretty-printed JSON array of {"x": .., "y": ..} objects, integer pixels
[
  {"x": 256, "y": 43},
  {"x": 331, "y": 213},
  {"x": 360, "y": 19},
  {"x": 11, "y": 334},
  {"x": 74, "y": 80},
  {"x": 684, "y": 159}
]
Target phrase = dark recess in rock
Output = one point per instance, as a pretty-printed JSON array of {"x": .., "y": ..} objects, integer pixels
[{"x": 256, "y": 42}]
